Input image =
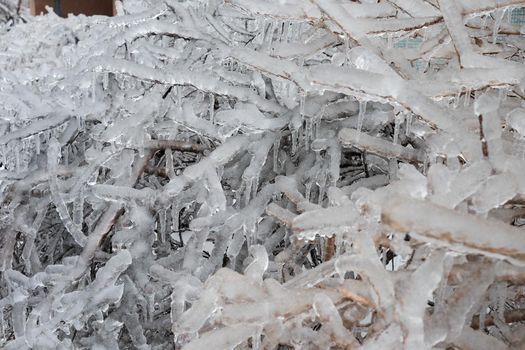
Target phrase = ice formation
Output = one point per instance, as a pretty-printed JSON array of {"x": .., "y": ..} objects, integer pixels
[{"x": 278, "y": 174}]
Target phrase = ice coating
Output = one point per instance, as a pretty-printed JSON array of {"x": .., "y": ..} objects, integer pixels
[{"x": 277, "y": 174}]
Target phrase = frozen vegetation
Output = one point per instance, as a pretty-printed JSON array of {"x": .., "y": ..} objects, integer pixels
[{"x": 277, "y": 174}]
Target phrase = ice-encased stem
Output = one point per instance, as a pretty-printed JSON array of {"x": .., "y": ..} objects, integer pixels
[
  {"x": 453, "y": 229},
  {"x": 370, "y": 144},
  {"x": 54, "y": 155}
]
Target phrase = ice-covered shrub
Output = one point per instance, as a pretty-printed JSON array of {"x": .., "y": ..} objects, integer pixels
[{"x": 275, "y": 174}]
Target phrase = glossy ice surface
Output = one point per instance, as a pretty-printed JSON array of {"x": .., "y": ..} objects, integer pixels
[{"x": 276, "y": 174}]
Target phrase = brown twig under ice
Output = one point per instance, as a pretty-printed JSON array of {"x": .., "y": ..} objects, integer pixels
[
  {"x": 109, "y": 217},
  {"x": 176, "y": 145},
  {"x": 364, "y": 142},
  {"x": 511, "y": 316},
  {"x": 448, "y": 227}
]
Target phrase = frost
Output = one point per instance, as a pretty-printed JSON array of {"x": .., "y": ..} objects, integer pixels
[{"x": 272, "y": 174}]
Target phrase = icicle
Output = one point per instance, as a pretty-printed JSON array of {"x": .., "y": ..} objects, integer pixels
[
  {"x": 498, "y": 293},
  {"x": 321, "y": 183},
  {"x": 31, "y": 235},
  {"x": 392, "y": 169},
  {"x": 308, "y": 133},
  {"x": 81, "y": 122},
  {"x": 453, "y": 162},
  {"x": 78, "y": 209},
  {"x": 238, "y": 195},
  {"x": 47, "y": 136},
  {"x": 212, "y": 108},
  {"x": 501, "y": 297},
  {"x": 105, "y": 80},
  {"x": 259, "y": 154},
  {"x": 424, "y": 34},
  {"x": 163, "y": 217},
  {"x": 300, "y": 61},
  {"x": 53, "y": 159},
  {"x": 23, "y": 150},
  {"x": 302, "y": 101},
  {"x": 2, "y": 324},
  {"x": 37, "y": 143},
  {"x": 174, "y": 218},
  {"x": 317, "y": 122},
  {"x": 347, "y": 50},
  {"x": 255, "y": 184},
  {"x": 308, "y": 190},
  {"x": 457, "y": 99},
  {"x": 141, "y": 145},
  {"x": 66, "y": 156},
  {"x": 169, "y": 164},
  {"x": 286, "y": 31},
  {"x": 268, "y": 39},
  {"x": 248, "y": 183},
  {"x": 276, "y": 146},
  {"x": 484, "y": 22},
  {"x": 361, "y": 116},
  {"x": 150, "y": 304},
  {"x": 482, "y": 315},
  {"x": 502, "y": 94},
  {"x": 256, "y": 343},
  {"x": 17, "y": 156},
  {"x": 4, "y": 156},
  {"x": 94, "y": 87},
  {"x": 295, "y": 140},
  {"x": 467, "y": 97},
  {"x": 179, "y": 96},
  {"x": 295, "y": 31},
  {"x": 397, "y": 123},
  {"x": 497, "y": 23},
  {"x": 281, "y": 31},
  {"x": 424, "y": 67},
  {"x": 9, "y": 159},
  {"x": 409, "y": 118},
  {"x": 334, "y": 152},
  {"x": 19, "y": 317}
]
